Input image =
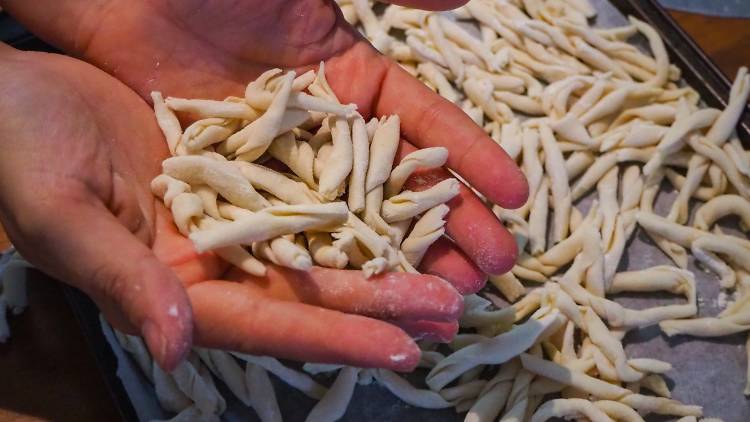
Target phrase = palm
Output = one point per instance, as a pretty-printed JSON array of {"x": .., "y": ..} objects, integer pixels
[
  {"x": 203, "y": 48},
  {"x": 109, "y": 155},
  {"x": 211, "y": 49},
  {"x": 76, "y": 172}
]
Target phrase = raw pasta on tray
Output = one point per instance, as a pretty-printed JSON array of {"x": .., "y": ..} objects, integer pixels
[{"x": 583, "y": 112}]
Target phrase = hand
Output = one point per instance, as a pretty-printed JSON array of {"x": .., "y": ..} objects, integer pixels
[
  {"x": 75, "y": 199},
  {"x": 203, "y": 50},
  {"x": 79, "y": 151},
  {"x": 211, "y": 49}
]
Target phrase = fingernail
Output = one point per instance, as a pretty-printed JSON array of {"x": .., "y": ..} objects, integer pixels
[
  {"x": 157, "y": 343},
  {"x": 166, "y": 354}
]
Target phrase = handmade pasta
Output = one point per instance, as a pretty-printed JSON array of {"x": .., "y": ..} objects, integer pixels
[{"x": 579, "y": 109}]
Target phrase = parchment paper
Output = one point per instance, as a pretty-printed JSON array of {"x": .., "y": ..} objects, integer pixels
[{"x": 707, "y": 372}]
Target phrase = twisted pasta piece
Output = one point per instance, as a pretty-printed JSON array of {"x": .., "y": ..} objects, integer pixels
[
  {"x": 220, "y": 176},
  {"x": 425, "y": 232},
  {"x": 271, "y": 222},
  {"x": 407, "y": 204}
]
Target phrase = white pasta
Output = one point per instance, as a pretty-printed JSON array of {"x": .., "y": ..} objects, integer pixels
[
  {"x": 272, "y": 222},
  {"x": 167, "y": 121},
  {"x": 579, "y": 109},
  {"x": 424, "y": 158},
  {"x": 408, "y": 204},
  {"x": 332, "y": 406},
  {"x": 339, "y": 165},
  {"x": 382, "y": 152},
  {"x": 254, "y": 139},
  {"x": 220, "y": 176},
  {"x": 212, "y": 108},
  {"x": 360, "y": 164},
  {"x": 297, "y": 155},
  {"x": 427, "y": 229}
]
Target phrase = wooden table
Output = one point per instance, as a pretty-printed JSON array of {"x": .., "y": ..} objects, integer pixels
[{"x": 46, "y": 370}]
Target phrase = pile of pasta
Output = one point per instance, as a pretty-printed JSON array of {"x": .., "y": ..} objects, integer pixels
[
  {"x": 582, "y": 110},
  {"x": 339, "y": 203},
  {"x": 225, "y": 200},
  {"x": 584, "y": 113}
]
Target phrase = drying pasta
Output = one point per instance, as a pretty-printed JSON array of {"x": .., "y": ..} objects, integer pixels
[{"x": 582, "y": 112}]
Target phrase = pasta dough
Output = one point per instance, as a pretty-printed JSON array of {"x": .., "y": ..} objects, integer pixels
[
  {"x": 408, "y": 204},
  {"x": 427, "y": 229},
  {"x": 272, "y": 222}
]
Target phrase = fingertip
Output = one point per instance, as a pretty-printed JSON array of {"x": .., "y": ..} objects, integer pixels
[
  {"x": 499, "y": 256},
  {"x": 404, "y": 356},
  {"x": 166, "y": 347},
  {"x": 491, "y": 171},
  {"x": 174, "y": 336},
  {"x": 371, "y": 343},
  {"x": 445, "y": 260},
  {"x": 435, "y": 331},
  {"x": 456, "y": 305},
  {"x": 164, "y": 308},
  {"x": 518, "y": 191},
  {"x": 429, "y": 297},
  {"x": 510, "y": 260},
  {"x": 480, "y": 234}
]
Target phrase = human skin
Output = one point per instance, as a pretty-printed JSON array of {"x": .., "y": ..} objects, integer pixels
[{"x": 210, "y": 49}]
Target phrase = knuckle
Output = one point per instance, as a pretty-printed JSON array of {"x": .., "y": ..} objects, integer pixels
[{"x": 429, "y": 116}]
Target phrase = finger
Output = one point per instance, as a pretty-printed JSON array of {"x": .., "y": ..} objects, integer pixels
[
  {"x": 83, "y": 244},
  {"x": 231, "y": 316},
  {"x": 361, "y": 63},
  {"x": 430, "y": 4},
  {"x": 429, "y": 120},
  {"x": 471, "y": 225},
  {"x": 435, "y": 331},
  {"x": 179, "y": 254},
  {"x": 384, "y": 296},
  {"x": 445, "y": 260}
]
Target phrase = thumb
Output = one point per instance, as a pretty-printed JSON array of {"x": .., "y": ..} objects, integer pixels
[{"x": 85, "y": 245}]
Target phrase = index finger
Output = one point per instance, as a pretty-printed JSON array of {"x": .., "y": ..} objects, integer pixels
[{"x": 428, "y": 120}]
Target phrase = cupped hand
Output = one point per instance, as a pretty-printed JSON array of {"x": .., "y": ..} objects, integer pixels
[
  {"x": 79, "y": 152},
  {"x": 211, "y": 49}
]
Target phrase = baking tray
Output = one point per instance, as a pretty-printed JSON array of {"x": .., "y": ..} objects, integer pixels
[{"x": 708, "y": 372}]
